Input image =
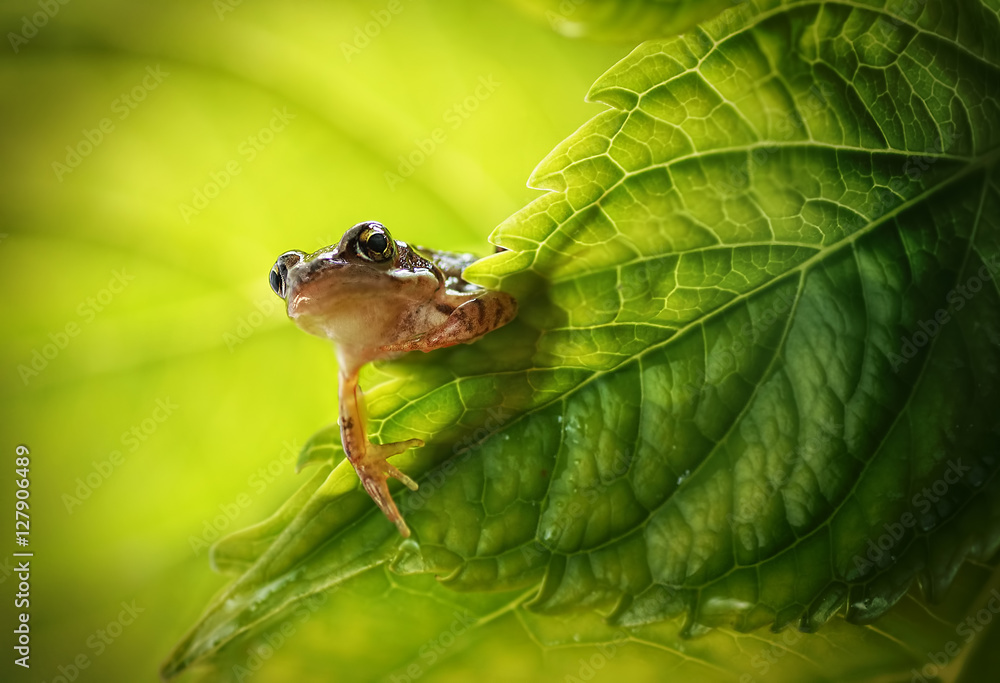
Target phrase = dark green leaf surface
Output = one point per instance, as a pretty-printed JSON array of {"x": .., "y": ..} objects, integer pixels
[{"x": 755, "y": 373}]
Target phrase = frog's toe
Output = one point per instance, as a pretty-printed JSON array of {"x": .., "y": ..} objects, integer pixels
[
  {"x": 407, "y": 482},
  {"x": 379, "y": 492},
  {"x": 404, "y": 530},
  {"x": 387, "y": 450}
]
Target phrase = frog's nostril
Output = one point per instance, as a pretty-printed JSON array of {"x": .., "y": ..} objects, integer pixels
[{"x": 324, "y": 263}]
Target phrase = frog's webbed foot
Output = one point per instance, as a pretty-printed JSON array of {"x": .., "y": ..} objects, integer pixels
[{"x": 374, "y": 471}]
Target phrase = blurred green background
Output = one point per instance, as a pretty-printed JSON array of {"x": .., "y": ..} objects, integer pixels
[{"x": 147, "y": 364}]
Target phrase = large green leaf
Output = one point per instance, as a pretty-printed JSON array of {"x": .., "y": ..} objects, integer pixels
[{"x": 753, "y": 379}]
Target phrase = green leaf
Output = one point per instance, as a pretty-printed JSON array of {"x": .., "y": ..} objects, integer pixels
[
  {"x": 623, "y": 20},
  {"x": 754, "y": 375}
]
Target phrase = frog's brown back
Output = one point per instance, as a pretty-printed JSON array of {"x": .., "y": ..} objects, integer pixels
[{"x": 451, "y": 264}]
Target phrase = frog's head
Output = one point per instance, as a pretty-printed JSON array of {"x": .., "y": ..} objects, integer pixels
[
  {"x": 355, "y": 289},
  {"x": 366, "y": 246}
]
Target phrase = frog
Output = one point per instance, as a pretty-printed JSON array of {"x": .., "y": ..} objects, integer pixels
[{"x": 375, "y": 298}]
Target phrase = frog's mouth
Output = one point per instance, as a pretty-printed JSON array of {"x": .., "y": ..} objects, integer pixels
[
  {"x": 314, "y": 269},
  {"x": 314, "y": 278},
  {"x": 330, "y": 290},
  {"x": 342, "y": 308}
]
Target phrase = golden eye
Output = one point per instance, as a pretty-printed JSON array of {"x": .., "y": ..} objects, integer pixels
[{"x": 376, "y": 244}]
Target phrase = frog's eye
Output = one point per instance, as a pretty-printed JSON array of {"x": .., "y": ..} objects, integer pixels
[
  {"x": 375, "y": 244},
  {"x": 278, "y": 280},
  {"x": 279, "y": 271}
]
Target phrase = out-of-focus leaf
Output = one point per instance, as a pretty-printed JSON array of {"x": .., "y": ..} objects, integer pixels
[{"x": 623, "y": 20}]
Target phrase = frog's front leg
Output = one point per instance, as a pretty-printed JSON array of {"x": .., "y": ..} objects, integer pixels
[
  {"x": 369, "y": 459},
  {"x": 473, "y": 316}
]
